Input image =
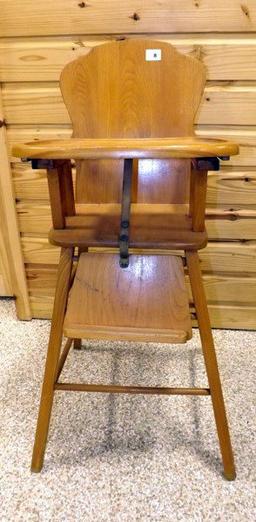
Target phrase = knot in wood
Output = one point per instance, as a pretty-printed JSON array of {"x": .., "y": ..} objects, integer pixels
[{"x": 135, "y": 17}]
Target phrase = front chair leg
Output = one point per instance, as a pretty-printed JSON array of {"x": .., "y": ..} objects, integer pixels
[
  {"x": 211, "y": 363},
  {"x": 60, "y": 302}
]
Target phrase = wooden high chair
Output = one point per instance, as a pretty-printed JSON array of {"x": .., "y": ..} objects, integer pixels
[{"x": 141, "y": 177}]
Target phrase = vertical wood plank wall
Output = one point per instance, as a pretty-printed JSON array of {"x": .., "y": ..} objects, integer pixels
[
  {"x": 5, "y": 275},
  {"x": 37, "y": 39},
  {"x": 12, "y": 270}
]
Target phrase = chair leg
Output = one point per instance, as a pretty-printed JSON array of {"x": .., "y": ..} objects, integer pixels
[
  {"x": 211, "y": 363},
  {"x": 60, "y": 301},
  {"x": 77, "y": 344}
]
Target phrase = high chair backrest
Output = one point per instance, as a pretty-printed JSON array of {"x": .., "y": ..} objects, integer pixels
[{"x": 133, "y": 88}]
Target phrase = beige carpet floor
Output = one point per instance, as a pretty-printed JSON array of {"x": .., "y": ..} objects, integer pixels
[{"x": 125, "y": 458}]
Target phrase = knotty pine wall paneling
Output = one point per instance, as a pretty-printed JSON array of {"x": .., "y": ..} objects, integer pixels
[{"x": 38, "y": 39}]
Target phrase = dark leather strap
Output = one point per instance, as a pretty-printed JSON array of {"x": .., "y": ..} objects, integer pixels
[{"x": 125, "y": 214}]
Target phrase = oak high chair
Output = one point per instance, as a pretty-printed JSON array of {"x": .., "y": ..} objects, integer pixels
[{"x": 141, "y": 176}]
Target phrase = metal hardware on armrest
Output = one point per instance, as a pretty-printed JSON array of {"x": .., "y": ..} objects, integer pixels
[
  {"x": 125, "y": 214},
  {"x": 211, "y": 163},
  {"x": 43, "y": 164},
  {"x": 37, "y": 163},
  {"x": 224, "y": 158}
]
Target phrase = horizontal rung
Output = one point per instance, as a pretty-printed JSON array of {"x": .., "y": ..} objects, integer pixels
[{"x": 105, "y": 388}]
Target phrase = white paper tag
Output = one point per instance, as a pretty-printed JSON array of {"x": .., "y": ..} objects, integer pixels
[{"x": 153, "y": 55}]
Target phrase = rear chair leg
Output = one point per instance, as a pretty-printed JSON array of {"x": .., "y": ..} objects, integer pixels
[
  {"x": 77, "y": 344},
  {"x": 211, "y": 363},
  {"x": 60, "y": 301}
]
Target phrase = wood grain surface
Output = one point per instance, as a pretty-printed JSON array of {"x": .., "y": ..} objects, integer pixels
[
  {"x": 13, "y": 278},
  {"x": 131, "y": 98},
  {"x": 120, "y": 148},
  {"x": 30, "y": 68},
  {"x": 40, "y": 103},
  {"x": 148, "y": 300},
  {"x": 222, "y": 224},
  {"x": 27, "y": 18},
  {"x": 227, "y": 57}
]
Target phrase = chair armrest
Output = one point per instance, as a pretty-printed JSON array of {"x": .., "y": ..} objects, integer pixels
[{"x": 120, "y": 148}]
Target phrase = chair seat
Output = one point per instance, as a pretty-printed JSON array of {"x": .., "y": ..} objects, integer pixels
[{"x": 147, "y": 301}]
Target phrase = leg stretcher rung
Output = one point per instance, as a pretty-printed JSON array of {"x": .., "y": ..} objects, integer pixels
[{"x": 112, "y": 388}]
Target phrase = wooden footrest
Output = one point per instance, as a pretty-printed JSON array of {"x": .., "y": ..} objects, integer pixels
[{"x": 147, "y": 301}]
